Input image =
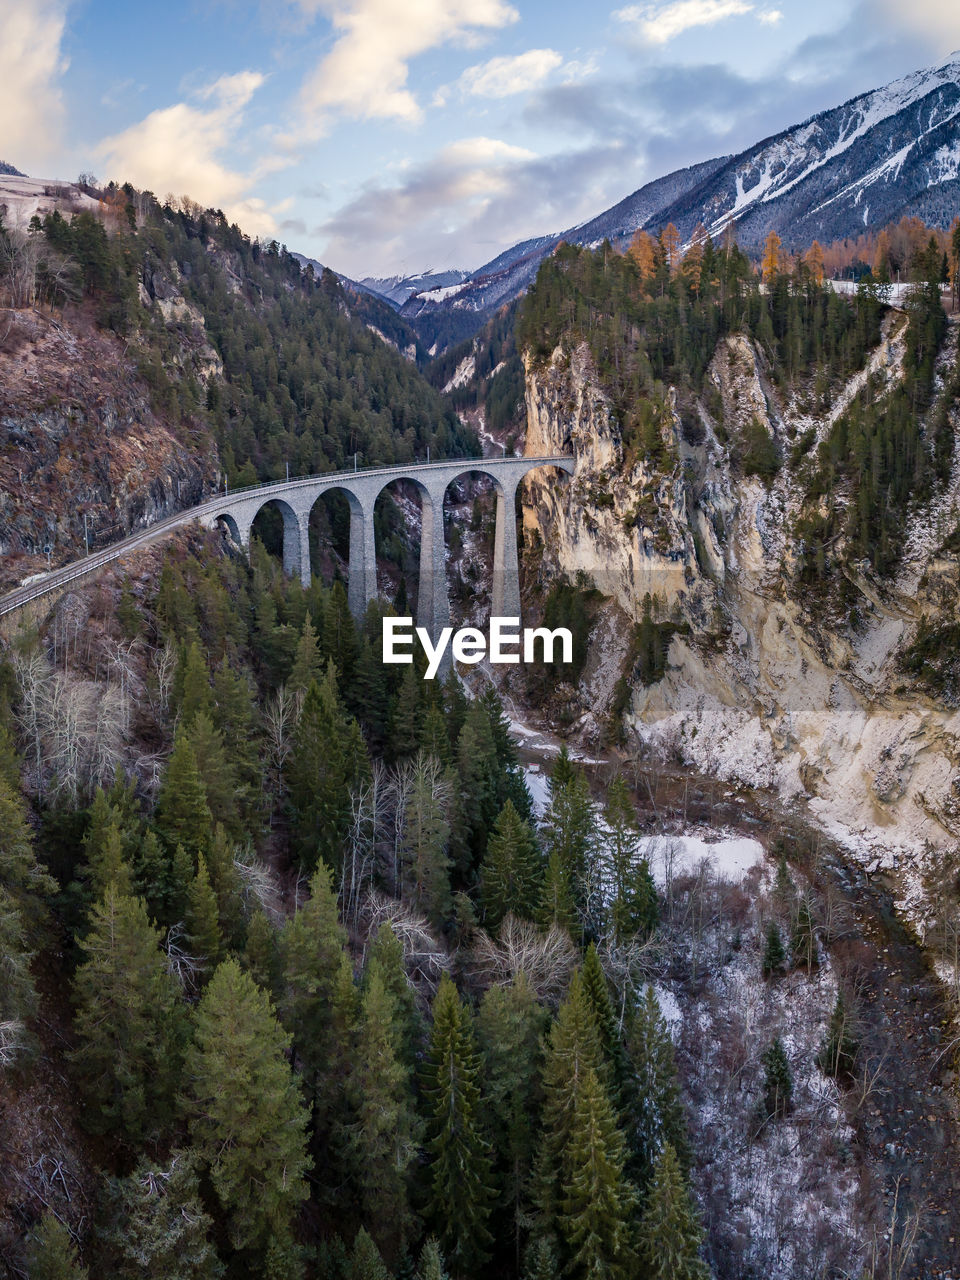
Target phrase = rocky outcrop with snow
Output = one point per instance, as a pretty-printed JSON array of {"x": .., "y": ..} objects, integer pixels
[{"x": 759, "y": 689}]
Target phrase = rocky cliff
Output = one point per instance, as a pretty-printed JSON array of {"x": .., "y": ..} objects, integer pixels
[
  {"x": 761, "y": 687},
  {"x": 80, "y": 438}
]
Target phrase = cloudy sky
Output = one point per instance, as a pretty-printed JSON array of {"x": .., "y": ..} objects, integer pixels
[{"x": 385, "y": 136}]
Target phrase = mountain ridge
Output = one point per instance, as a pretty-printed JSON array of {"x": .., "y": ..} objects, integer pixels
[{"x": 893, "y": 151}]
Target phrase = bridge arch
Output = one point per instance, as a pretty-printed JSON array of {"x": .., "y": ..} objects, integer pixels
[{"x": 295, "y": 552}]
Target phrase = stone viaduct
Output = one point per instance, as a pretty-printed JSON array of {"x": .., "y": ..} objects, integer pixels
[{"x": 295, "y": 500}]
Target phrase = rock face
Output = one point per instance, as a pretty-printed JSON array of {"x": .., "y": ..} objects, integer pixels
[
  {"x": 79, "y": 438},
  {"x": 758, "y": 688}
]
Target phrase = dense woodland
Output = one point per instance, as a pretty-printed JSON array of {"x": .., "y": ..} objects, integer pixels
[{"x": 413, "y": 1063}]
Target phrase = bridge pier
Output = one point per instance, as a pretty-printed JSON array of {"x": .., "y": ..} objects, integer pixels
[
  {"x": 433, "y": 600},
  {"x": 362, "y": 581},
  {"x": 506, "y": 562}
]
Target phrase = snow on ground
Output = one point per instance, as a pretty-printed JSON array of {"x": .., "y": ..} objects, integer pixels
[
  {"x": 538, "y": 784},
  {"x": 729, "y": 857},
  {"x": 464, "y": 372}
]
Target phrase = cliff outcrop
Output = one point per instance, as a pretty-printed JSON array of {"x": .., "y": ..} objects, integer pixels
[{"x": 763, "y": 686}]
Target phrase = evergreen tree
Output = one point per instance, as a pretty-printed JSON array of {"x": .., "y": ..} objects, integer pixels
[
  {"x": 158, "y": 1225},
  {"x": 365, "y": 1261},
  {"x": 329, "y": 760},
  {"x": 569, "y": 835},
  {"x": 129, "y": 1022},
  {"x": 339, "y": 634},
  {"x": 563, "y": 771},
  {"x": 478, "y": 807},
  {"x": 312, "y": 946},
  {"x": 777, "y": 1082},
  {"x": 221, "y": 788},
  {"x": 203, "y": 919},
  {"x": 384, "y": 1135},
  {"x": 804, "y": 942},
  {"x": 246, "y": 1117},
  {"x": 597, "y": 993},
  {"x": 838, "y": 1055},
  {"x": 20, "y": 874},
  {"x": 509, "y": 1025},
  {"x": 406, "y": 725},
  {"x": 573, "y": 1046},
  {"x": 192, "y": 685},
  {"x": 434, "y": 740},
  {"x": 385, "y": 960},
  {"x": 105, "y": 849},
  {"x": 774, "y": 956},
  {"x": 425, "y": 863},
  {"x": 459, "y": 1162},
  {"x": 556, "y": 905},
  {"x": 18, "y": 994},
  {"x": 652, "y": 1095},
  {"x": 670, "y": 1236},
  {"x": 511, "y": 872},
  {"x": 261, "y": 954},
  {"x": 51, "y": 1253},
  {"x": 431, "y": 1262},
  {"x": 182, "y": 816},
  {"x": 599, "y": 1201},
  {"x": 307, "y": 664},
  {"x": 634, "y": 910}
]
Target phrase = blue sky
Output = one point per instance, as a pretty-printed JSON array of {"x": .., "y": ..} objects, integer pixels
[{"x": 387, "y": 137}]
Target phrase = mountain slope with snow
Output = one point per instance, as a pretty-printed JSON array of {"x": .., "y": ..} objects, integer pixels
[{"x": 891, "y": 152}]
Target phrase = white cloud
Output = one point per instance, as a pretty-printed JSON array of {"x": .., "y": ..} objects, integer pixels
[
  {"x": 658, "y": 24},
  {"x": 502, "y": 77},
  {"x": 31, "y": 62},
  {"x": 365, "y": 73},
  {"x": 937, "y": 21},
  {"x": 770, "y": 17},
  {"x": 176, "y": 149}
]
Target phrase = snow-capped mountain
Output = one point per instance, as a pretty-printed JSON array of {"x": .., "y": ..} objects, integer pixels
[
  {"x": 397, "y": 289},
  {"x": 882, "y": 155}
]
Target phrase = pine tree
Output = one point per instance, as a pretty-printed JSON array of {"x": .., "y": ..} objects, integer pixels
[
  {"x": 563, "y": 771},
  {"x": 434, "y": 740},
  {"x": 192, "y": 684},
  {"x": 431, "y": 1265},
  {"x": 385, "y": 1131},
  {"x": 215, "y": 768},
  {"x": 425, "y": 863},
  {"x": 477, "y": 808},
  {"x": 18, "y": 994},
  {"x": 51, "y": 1253},
  {"x": 203, "y": 919},
  {"x": 312, "y": 946},
  {"x": 129, "y": 1022},
  {"x": 511, "y": 872},
  {"x": 246, "y": 1117},
  {"x": 385, "y": 960},
  {"x": 634, "y": 910},
  {"x": 182, "y": 815},
  {"x": 652, "y": 1095},
  {"x": 598, "y": 1203},
  {"x": 329, "y": 760},
  {"x": 774, "y": 956},
  {"x": 804, "y": 942},
  {"x": 261, "y": 954},
  {"x": 670, "y": 1237},
  {"x": 307, "y": 664},
  {"x": 20, "y": 874},
  {"x": 777, "y": 1082},
  {"x": 406, "y": 723},
  {"x": 339, "y": 634},
  {"x": 158, "y": 1225},
  {"x": 597, "y": 993},
  {"x": 556, "y": 905},
  {"x": 569, "y": 834},
  {"x": 509, "y": 1026},
  {"x": 105, "y": 849},
  {"x": 365, "y": 1261},
  {"x": 573, "y": 1045},
  {"x": 838, "y": 1055},
  {"x": 459, "y": 1161}
]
